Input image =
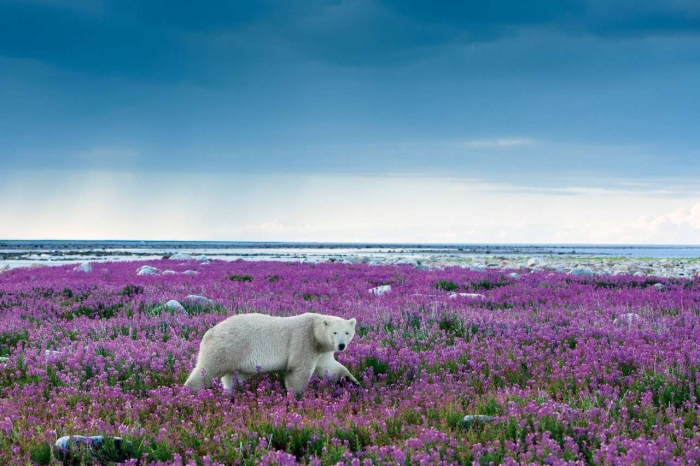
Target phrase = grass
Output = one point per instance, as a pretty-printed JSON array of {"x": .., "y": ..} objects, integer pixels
[{"x": 240, "y": 278}]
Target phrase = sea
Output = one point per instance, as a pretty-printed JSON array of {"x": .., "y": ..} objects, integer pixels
[{"x": 19, "y": 253}]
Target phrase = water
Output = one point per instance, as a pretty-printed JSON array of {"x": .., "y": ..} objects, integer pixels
[{"x": 19, "y": 253}]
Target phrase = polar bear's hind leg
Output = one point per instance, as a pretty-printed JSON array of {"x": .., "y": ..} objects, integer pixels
[{"x": 230, "y": 380}]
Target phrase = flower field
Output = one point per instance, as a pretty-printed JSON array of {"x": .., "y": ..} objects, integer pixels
[{"x": 569, "y": 369}]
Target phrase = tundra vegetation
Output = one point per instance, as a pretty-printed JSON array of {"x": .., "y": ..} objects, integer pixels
[{"x": 544, "y": 359}]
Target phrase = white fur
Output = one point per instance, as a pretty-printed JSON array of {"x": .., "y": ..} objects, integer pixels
[{"x": 245, "y": 344}]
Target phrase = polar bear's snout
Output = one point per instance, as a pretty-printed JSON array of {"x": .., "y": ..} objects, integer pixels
[{"x": 341, "y": 346}]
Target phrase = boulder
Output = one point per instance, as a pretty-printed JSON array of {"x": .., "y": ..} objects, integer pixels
[
  {"x": 50, "y": 353},
  {"x": 581, "y": 271},
  {"x": 199, "y": 300},
  {"x": 84, "y": 267},
  {"x": 169, "y": 272},
  {"x": 467, "y": 295},
  {"x": 627, "y": 319},
  {"x": 660, "y": 286},
  {"x": 514, "y": 275},
  {"x": 380, "y": 290},
  {"x": 175, "y": 306},
  {"x": 80, "y": 446},
  {"x": 147, "y": 270},
  {"x": 473, "y": 419},
  {"x": 181, "y": 256},
  {"x": 534, "y": 262},
  {"x": 190, "y": 272}
]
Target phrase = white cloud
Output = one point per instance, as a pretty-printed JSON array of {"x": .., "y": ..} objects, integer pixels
[{"x": 103, "y": 205}]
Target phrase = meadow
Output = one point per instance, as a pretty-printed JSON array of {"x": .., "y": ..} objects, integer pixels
[{"x": 569, "y": 369}]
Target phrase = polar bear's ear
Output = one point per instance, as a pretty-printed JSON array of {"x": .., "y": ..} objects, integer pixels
[
  {"x": 353, "y": 321},
  {"x": 326, "y": 323}
]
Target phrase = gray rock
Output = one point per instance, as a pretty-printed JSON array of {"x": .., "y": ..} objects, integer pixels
[
  {"x": 472, "y": 419},
  {"x": 175, "y": 306},
  {"x": 84, "y": 267},
  {"x": 147, "y": 270},
  {"x": 181, "y": 256},
  {"x": 66, "y": 445},
  {"x": 582, "y": 271},
  {"x": 514, "y": 275},
  {"x": 199, "y": 300},
  {"x": 660, "y": 286},
  {"x": 535, "y": 262},
  {"x": 49, "y": 353},
  {"x": 467, "y": 295},
  {"x": 169, "y": 272}
]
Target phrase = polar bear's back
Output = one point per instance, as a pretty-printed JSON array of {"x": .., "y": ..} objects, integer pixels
[
  {"x": 251, "y": 341},
  {"x": 259, "y": 324}
]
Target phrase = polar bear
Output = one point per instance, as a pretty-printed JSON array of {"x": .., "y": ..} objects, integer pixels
[{"x": 246, "y": 344}]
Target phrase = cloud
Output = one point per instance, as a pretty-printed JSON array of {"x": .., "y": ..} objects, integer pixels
[
  {"x": 176, "y": 40},
  {"x": 679, "y": 226},
  {"x": 680, "y": 219}
]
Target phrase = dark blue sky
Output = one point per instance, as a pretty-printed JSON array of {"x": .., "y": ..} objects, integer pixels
[{"x": 549, "y": 95}]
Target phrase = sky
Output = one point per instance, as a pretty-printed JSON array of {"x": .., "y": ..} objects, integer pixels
[{"x": 551, "y": 121}]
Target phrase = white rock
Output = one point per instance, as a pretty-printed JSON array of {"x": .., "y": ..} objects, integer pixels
[
  {"x": 181, "y": 256},
  {"x": 49, "y": 353},
  {"x": 84, "y": 267},
  {"x": 476, "y": 268},
  {"x": 407, "y": 261},
  {"x": 473, "y": 418},
  {"x": 535, "y": 261},
  {"x": 175, "y": 305},
  {"x": 582, "y": 271},
  {"x": 202, "y": 258},
  {"x": 514, "y": 275},
  {"x": 199, "y": 300},
  {"x": 190, "y": 272},
  {"x": 147, "y": 270},
  {"x": 169, "y": 272},
  {"x": 639, "y": 274},
  {"x": 4, "y": 267},
  {"x": 627, "y": 319},
  {"x": 380, "y": 290},
  {"x": 660, "y": 286},
  {"x": 467, "y": 295}
]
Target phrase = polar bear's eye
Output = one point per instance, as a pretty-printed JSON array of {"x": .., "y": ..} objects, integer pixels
[
  {"x": 335, "y": 333},
  {"x": 347, "y": 333}
]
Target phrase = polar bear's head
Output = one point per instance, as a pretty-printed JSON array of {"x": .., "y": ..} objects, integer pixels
[{"x": 336, "y": 333}]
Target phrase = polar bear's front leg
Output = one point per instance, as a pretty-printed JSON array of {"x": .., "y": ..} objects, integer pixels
[{"x": 335, "y": 370}]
